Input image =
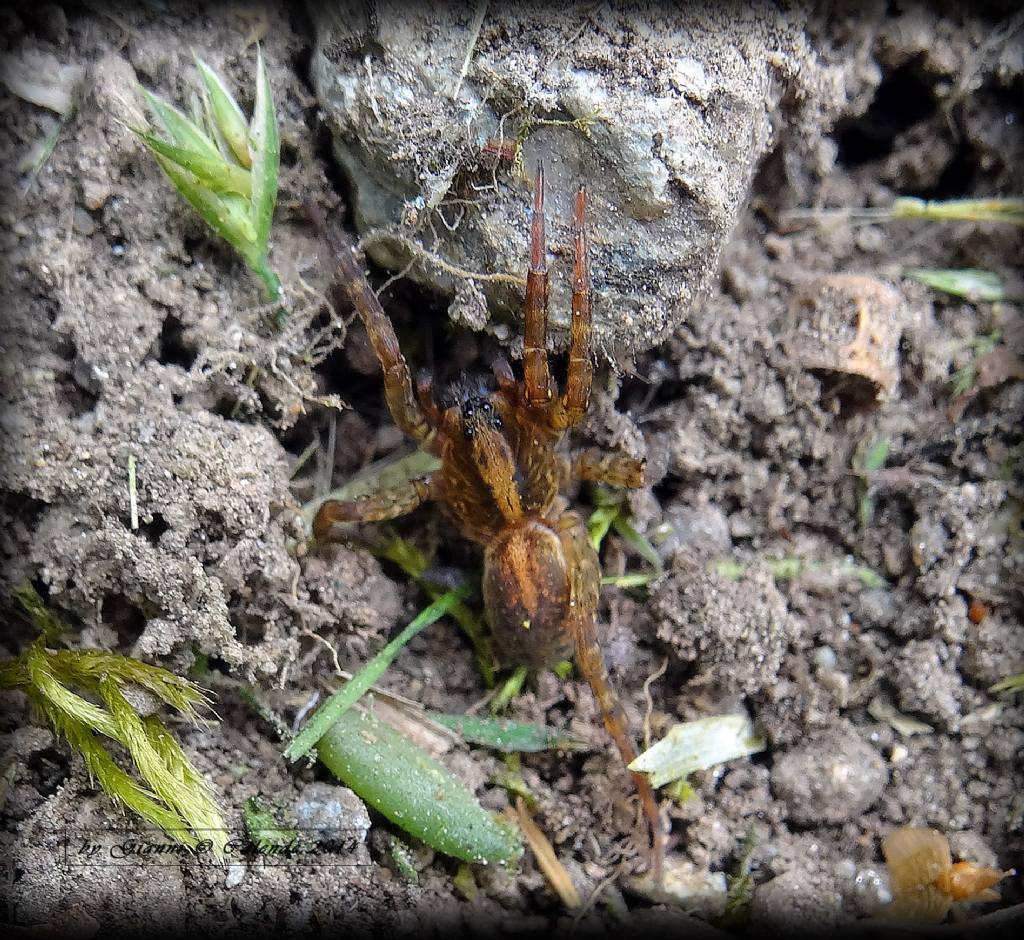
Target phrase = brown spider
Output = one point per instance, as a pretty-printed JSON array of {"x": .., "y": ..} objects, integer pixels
[{"x": 499, "y": 481}]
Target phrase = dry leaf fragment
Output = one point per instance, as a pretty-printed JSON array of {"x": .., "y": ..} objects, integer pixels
[{"x": 925, "y": 882}]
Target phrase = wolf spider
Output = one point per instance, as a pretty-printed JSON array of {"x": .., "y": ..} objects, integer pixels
[{"x": 500, "y": 477}]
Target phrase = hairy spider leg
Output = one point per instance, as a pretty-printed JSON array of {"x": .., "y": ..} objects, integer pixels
[
  {"x": 536, "y": 376},
  {"x": 598, "y": 466},
  {"x": 374, "y": 507},
  {"x": 572, "y": 405},
  {"x": 405, "y": 409},
  {"x": 584, "y": 588}
]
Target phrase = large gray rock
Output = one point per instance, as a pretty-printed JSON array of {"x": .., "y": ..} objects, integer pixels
[{"x": 678, "y": 105}]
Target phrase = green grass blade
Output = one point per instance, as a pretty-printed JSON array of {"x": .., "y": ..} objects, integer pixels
[
  {"x": 509, "y": 689},
  {"x": 180, "y": 129},
  {"x": 414, "y": 791},
  {"x": 639, "y": 543},
  {"x": 876, "y": 456},
  {"x": 970, "y": 283},
  {"x": 599, "y": 523},
  {"x": 631, "y": 579},
  {"x": 1011, "y": 685},
  {"x": 504, "y": 735},
  {"x": 414, "y": 563},
  {"x": 342, "y": 700},
  {"x": 265, "y": 146},
  {"x": 960, "y": 210},
  {"x": 225, "y": 114}
]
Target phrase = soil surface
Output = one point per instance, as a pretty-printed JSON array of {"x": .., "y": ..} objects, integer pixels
[{"x": 859, "y": 618}]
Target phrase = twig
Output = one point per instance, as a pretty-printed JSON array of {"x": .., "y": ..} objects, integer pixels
[{"x": 547, "y": 861}]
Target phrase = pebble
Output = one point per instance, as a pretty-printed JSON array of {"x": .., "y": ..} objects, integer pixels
[{"x": 332, "y": 811}]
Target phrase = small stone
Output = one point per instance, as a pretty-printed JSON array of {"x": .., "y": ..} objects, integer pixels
[
  {"x": 332, "y": 814},
  {"x": 82, "y": 223},
  {"x": 235, "y": 874},
  {"x": 685, "y": 885},
  {"x": 95, "y": 194},
  {"x": 469, "y": 308},
  {"x": 928, "y": 538},
  {"x": 734, "y": 632},
  {"x": 877, "y": 607},
  {"x": 142, "y": 700},
  {"x": 833, "y": 777}
]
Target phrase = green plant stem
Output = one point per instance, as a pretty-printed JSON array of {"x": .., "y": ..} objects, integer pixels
[
  {"x": 273, "y": 285},
  {"x": 342, "y": 700},
  {"x": 512, "y": 687}
]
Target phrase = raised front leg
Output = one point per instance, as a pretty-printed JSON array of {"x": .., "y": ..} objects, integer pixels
[
  {"x": 536, "y": 375},
  {"x": 584, "y": 589},
  {"x": 572, "y": 405},
  {"x": 375, "y": 507}
]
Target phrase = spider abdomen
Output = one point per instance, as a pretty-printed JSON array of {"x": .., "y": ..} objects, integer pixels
[{"x": 526, "y": 595}]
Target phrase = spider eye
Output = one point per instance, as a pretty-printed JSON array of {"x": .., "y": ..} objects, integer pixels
[
  {"x": 486, "y": 407},
  {"x": 496, "y": 424},
  {"x": 469, "y": 430}
]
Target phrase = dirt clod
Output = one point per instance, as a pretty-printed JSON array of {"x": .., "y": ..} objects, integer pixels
[{"x": 830, "y": 778}]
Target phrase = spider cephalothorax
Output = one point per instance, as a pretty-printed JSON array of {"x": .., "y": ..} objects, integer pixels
[{"x": 500, "y": 477}]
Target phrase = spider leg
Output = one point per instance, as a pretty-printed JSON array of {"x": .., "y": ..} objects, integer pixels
[
  {"x": 599, "y": 466},
  {"x": 375, "y": 507},
  {"x": 572, "y": 405},
  {"x": 402, "y": 404},
  {"x": 536, "y": 376},
  {"x": 584, "y": 589}
]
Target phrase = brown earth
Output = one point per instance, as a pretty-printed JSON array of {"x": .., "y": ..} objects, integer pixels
[{"x": 129, "y": 331}]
